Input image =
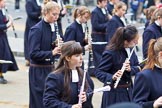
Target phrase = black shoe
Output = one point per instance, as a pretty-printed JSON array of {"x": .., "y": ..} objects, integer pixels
[{"x": 2, "y": 80}]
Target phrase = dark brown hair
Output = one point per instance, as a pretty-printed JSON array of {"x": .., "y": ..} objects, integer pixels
[
  {"x": 122, "y": 33},
  {"x": 67, "y": 50}
]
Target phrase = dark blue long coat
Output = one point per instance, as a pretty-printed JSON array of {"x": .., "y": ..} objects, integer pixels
[
  {"x": 147, "y": 87},
  {"x": 112, "y": 26},
  {"x": 33, "y": 16},
  {"x": 110, "y": 8},
  {"x": 41, "y": 60},
  {"x": 75, "y": 32},
  {"x": 5, "y": 51},
  {"x": 153, "y": 31},
  {"x": 54, "y": 90},
  {"x": 98, "y": 22},
  {"x": 111, "y": 62}
]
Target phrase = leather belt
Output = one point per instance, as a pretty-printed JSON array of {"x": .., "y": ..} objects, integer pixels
[
  {"x": 98, "y": 33},
  {"x": 38, "y": 65},
  {"x": 124, "y": 85}
]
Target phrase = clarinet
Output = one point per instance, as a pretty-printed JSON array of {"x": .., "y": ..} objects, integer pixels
[
  {"x": 83, "y": 83},
  {"x": 91, "y": 62},
  {"x": 13, "y": 27},
  {"x": 57, "y": 42},
  {"x": 123, "y": 68},
  {"x": 57, "y": 35}
]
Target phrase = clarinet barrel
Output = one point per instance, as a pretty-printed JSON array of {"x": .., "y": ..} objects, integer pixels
[
  {"x": 91, "y": 62},
  {"x": 58, "y": 43}
]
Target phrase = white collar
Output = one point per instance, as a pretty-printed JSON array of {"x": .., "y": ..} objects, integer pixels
[
  {"x": 156, "y": 22},
  {"x": 52, "y": 27},
  {"x": 75, "y": 77},
  {"x": 158, "y": 66},
  {"x": 38, "y": 3},
  {"x": 123, "y": 20},
  {"x": 103, "y": 11},
  {"x": 77, "y": 20},
  {"x": 128, "y": 51}
]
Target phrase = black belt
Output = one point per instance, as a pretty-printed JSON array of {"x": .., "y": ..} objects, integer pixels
[
  {"x": 38, "y": 65},
  {"x": 3, "y": 31},
  {"x": 98, "y": 33},
  {"x": 124, "y": 85}
]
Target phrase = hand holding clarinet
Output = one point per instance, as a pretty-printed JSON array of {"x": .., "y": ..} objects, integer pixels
[
  {"x": 82, "y": 94},
  {"x": 88, "y": 39},
  {"x": 126, "y": 66},
  {"x": 58, "y": 42}
]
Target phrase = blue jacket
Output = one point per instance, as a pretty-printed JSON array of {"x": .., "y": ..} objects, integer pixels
[
  {"x": 153, "y": 31},
  {"x": 54, "y": 90},
  {"x": 147, "y": 87},
  {"x": 112, "y": 26}
]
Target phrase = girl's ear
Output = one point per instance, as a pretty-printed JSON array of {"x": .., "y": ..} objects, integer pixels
[
  {"x": 160, "y": 54},
  {"x": 67, "y": 58}
]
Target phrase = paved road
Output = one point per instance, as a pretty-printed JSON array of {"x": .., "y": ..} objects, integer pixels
[{"x": 15, "y": 94}]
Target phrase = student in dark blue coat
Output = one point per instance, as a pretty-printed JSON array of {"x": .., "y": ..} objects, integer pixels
[
  {"x": 116, "y": 21},
  {"x": 63, "y": 12},
  {"x": 149, "y": 12},
  {"x": 62, "y": 87},
  {"x": 42, "y": 50},
  {"x": 5, "y": 51},
  {"x": 99, "y": 19},
  {"x": 33, "y": 10},
  {"x": 153, "y": 31},
  {"x": 147, "y": 86},
  {"x": 110, "y": 6},
  {"x": 113, "y": 59},
  {"x": 76, "y": 31}
]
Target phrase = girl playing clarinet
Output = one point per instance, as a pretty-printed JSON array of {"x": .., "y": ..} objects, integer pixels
[
  {"x": 5, "y": 50},
  {"x": 76, "y": 31},
  {"x": 62, "y": 86},
  {"x": 42, "y": 51},
  {"x": 113, "y": 59},
  {"x": 117, "y": 19}
]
